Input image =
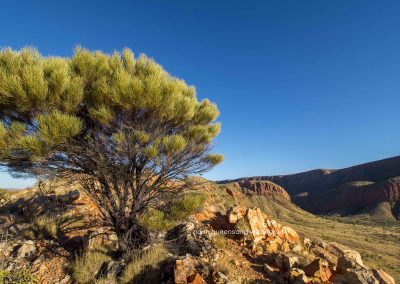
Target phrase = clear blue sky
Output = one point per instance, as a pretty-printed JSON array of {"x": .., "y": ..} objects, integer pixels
[{"x": 300, "y": 84}]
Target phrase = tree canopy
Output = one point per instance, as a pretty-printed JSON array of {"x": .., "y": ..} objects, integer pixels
[{"x": 124, "y": 123}]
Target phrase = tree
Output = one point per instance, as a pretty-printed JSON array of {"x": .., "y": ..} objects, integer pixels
[{"x": 128, "y": 131}]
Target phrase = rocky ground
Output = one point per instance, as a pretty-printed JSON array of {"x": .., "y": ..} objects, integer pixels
[{"x": 224, "y": 242}]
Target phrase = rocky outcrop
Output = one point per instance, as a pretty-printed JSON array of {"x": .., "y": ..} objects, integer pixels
[
  {"x": 257, "y": 226},
  {"x": 353, "y": 197},
  {"x": 290, "y": 260},
  {"x": 256, "y": 187},
  {"x": 344, "y": 191}
]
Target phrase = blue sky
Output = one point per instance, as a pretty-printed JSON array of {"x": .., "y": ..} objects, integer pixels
[{"x": 300, "y": 84}]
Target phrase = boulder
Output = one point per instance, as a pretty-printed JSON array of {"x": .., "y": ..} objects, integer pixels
[
  {"x": 356, "y": 276},
  {"x": 319, "y": 269},
  {"x": 348, "y": 258},
  {"x": 26, "y": 249},
  {"x": 285, "y": 262},
  {"x": 297, "y": 276},
  {"x": 236, "y": 213},
  {"x": 382, "y": 276},
  {"x": 185, "y": 269},
  {"x": 257, "y": 224},
  {"x": 290, "y": 235}
]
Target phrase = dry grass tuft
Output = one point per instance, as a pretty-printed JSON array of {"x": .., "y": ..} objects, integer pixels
[
  {"x": 86, "y": 267},
  {"x": 144, "y": 265}
]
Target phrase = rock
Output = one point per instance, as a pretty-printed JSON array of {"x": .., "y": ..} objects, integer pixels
[
  {"x": 263, "y": 188},
  {"x": 383, "y": 277},
  {"x": 257, "y": 224},
  {"x": 100, "y": 237},
  {"x": 297, "y": 248},
  {"x": 271, "y": 271},
  {"x": 70, "y": 197},
  {"x": 65, "y": 280},
  {"x": 290, "y": 235},
  {"x": 197, "y": 279},
  {"x": 26, "y": 249},
  {"x": 285, "y": 262},
  {"x": 348, "y": 257},
  {"x": 298, "y": 276},
  {"x": 357, "y": 276},
  {"x": 322, "y": 253},
  {"x": 318, "y": 268},
  {"x": 236, "y": 213},
  {"x": 184, "y": 269},
  {"x": 220, "y": 278}
]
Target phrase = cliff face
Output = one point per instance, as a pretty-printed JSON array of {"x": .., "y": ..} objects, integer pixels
[
  {"x": 352, "y": 197},
  {"x": 262, "y": 188},
  {"x": 344, "y": 190}
]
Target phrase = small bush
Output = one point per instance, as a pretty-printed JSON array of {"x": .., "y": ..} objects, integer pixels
[
  {"x": 155, "y": 219},
  {"x": 86, "y": 267},
  {"x": 144, "y": 265},
  {"x": 22, "y": 276},
  {"x": 187, "y": 205},
  {"x": 218, "y": 241}
]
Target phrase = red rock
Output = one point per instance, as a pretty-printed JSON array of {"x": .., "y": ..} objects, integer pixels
[{"x": 196, "y": 279}]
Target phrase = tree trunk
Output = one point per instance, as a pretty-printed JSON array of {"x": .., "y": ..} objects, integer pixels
[{"x": 132, "y": 239}]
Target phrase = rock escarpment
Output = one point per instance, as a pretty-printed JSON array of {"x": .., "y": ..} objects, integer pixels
[{"x": 344, "y": 191}]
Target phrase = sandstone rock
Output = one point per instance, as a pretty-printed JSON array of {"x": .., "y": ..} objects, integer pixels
[
  {"x": 290, "y": 235},
  {"x": 318, "y": 268},
  {"x": 322, "y": 253},
  {"x": 236, "y": 213},
  {"x": 184, "y": 269},
  {"x": 298, "y": 276},
  {"x": 285, "y": 262},
  {"x": 26, "y": 249},
  {"x": 257, "y": 224},
  {"x": 197, "y": 279},
  {"x": 349, "y": 257},
  {"x": 264, "y": 188},
  {"x": 383, "y": 277},
  {"x": 356, "y": 276}
]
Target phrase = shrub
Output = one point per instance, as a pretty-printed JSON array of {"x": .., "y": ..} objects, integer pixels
[
  {"x": 155, "y": 219},
  {"x": 188, "y": 205},
  {"x": 218, "y": 241},
  {"x": 22, "y": 276},
  {"x": 141, "y": 265},
  {"x": 86, "y": 267}
]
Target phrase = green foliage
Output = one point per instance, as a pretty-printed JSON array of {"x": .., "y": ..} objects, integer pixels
[
  {"x": 218, "y": 241},
  {"x": 143, "y": 266},
  {"x": 176, "y": 211},
  {"x": 22, "y": 276},
  {"x": 155, "y": 219},
  {"x": 187, "y": 205},
  {"x": 85, "y": 268},
  {"x": 49, "y": 101}
]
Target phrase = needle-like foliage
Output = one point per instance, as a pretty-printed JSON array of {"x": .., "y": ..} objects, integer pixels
[{"x": 129, "y": 130}]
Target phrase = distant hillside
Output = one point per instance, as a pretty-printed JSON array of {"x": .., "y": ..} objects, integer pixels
[{"x": 346, "y": 191}]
